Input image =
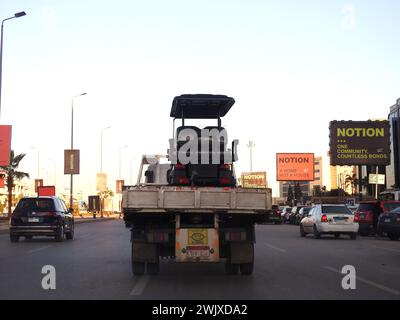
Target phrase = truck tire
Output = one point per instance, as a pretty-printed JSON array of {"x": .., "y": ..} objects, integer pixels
[
  {"x": 247, "y": 269},
  {"x": 153, "y": 268},
  {"x": 138, "y": 268},
  {"x": 231, "y": 268}
]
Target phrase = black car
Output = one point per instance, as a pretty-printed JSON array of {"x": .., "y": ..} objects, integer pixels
[
  {"x": 389, "y": 223},
  {"x": 275, "y": 216},
  {"x": 41, "y": 216}
]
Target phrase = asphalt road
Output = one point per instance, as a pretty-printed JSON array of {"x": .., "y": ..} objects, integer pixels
[{"x": 96, "y": 265}]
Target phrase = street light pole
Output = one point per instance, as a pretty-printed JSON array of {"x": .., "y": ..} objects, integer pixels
[
  {"x": 251, "y": 145},
  {"x": 17, "y": 15},
  {"x": 119, "y": 169},
  {"x": 38, "y": 161},
  {"x": 101, "y": 148},
  {"x": 71, "y": 190}
]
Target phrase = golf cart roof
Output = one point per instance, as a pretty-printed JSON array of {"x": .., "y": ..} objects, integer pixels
[{"x": 201, "y": 106}]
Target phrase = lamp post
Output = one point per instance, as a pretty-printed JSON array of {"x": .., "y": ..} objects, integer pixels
[
  {"x": 119, "y": 167},
  {"x": 101, "y": 148},
  {"x": 16, "y": 15},
  {"x": 251, "y": 145},
  {"x": 38, "y": 161},
  {"x": 71, "y": 189}
]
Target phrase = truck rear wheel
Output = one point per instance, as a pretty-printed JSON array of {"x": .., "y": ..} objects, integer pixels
[
  {"x": 138, "y": 268},
  {"x": 153, "y": 268},
  {"x": 231, "y": 268},
  {"x": 247, "y": 268}
]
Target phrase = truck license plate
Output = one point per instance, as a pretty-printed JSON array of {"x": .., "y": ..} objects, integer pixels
[{"x": 198, "y": 253}]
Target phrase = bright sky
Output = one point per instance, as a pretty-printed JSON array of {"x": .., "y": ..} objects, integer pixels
[{"x": 292, "y": 66}]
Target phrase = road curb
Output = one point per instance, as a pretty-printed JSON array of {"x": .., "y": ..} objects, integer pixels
[{"x": 78, "y": 221}]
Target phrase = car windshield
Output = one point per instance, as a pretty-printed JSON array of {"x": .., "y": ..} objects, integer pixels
[
  {"x": 391, "y": 206},
  {"x": 306, "y": 210},
  {"x": 335, "y": 210}
]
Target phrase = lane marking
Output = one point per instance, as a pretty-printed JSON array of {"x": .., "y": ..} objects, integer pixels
[
  {"x": 369, "y": 282},
  {"x": 388, "y": 249},
  {"x": 275, "y": 248},
  {"x": 140, "y": 286},
  {"x": 39, "y": 249}
]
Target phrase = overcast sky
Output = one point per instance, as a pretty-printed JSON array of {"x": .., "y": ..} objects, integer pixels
[{"x": 292, "y": 66}]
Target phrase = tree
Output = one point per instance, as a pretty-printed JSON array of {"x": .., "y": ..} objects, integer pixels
[
  {"x": 11, "y": 175},
  {"x": 352, "y": 182},
  {"x": 290, "y": 195},
  {"x": 298, "y": 194},
  {"x": 105, "y": 194}
]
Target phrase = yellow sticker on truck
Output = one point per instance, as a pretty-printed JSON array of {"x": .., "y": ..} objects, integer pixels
[{"x": 197, "y": 236}]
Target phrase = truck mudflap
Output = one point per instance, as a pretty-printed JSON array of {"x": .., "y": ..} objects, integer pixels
[{"x": 197, "y": 245}]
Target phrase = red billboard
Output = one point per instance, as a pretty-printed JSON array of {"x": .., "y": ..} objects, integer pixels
[
  {"x": 46, "y": 191},
  {"x": 5, "y": 145}
]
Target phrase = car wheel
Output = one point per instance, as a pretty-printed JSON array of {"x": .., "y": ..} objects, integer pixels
[
  {"x": 353, "y": 236},
  {"x": 317, "y": 235},
  {"x": 337, "y": 235},
  {"x": 302, "y": 232},
  {"x": 60, "y": 234},
  {"x": 14, "y": 237},
  {"x": 70, "y": 235},
  {"x": 247, "y": 268},
  {"x": 393, "y": 237}
]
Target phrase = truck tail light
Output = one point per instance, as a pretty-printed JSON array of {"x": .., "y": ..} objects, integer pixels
[
  {"x": 324, "y": 218},
  {"x": 224, "y": 181},
  {"x": 225, "y": 166},
  {"x": 180, "y": 166},
  {"x": 235, "y": 235},
  {"x": 183, "y": 180}
]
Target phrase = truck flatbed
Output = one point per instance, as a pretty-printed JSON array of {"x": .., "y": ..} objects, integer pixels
[{"x": 196, "y": 199}]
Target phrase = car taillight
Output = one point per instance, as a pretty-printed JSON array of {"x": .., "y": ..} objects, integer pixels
[
  {"x": 183, "y": 180},
  {"x": 324, "y": 218},
  {"x": 356, "y": 217},
  {"x": 224, "y": 181},
  {"x": 180, "y": 166},
  {"x": 49, "y": 214}
]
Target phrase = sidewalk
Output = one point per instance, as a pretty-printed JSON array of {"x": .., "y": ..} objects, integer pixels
[{"x": 4, "y": 224}]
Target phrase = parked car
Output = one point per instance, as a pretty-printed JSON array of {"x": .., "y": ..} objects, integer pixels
[
  {"x": 368, "y": 213},
  {"x": 293, "y": 214},
  {"x": 285, "y": 213},
  {"x": 276, "y": 215},
  {"x": 301, "y": 214},
  {"x": 41, "y": 216},
  {"x": 389, "y": 224},
  {"x": 333, "y": 219}
]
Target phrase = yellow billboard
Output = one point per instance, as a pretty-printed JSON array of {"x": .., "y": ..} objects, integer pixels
[{"x": 254, "y": 180}]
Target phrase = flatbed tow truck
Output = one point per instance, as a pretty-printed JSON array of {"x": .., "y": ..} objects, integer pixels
[{"x": 189, "y": 209}]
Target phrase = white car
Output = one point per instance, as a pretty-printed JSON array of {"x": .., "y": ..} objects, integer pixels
[{"x": 333, "y": 219}]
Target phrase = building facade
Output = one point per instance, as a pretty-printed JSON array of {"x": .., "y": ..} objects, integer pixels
[
  {"x": 393, "y": 170},
  {"x": 318, "y": 174}
]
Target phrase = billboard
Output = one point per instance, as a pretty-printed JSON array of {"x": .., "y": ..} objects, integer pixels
[
  {"x": 94, "y": 203},
  {"x": 295, "y": 166},
  {"x": 71, "y": 161},
  {"x": 359, "y": 143},
  {"x": 119, "y": 185},
  {"x": 101, "y": 181},
  {"x": 254, "y": 180},
  {"x": 46, "y": 191},
  {"x": 5, "y": 145}
]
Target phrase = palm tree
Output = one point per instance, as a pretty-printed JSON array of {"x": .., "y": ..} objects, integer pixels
[
  {"x": 12, "y": 175},
  {"x": 352, "y": 182}
]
